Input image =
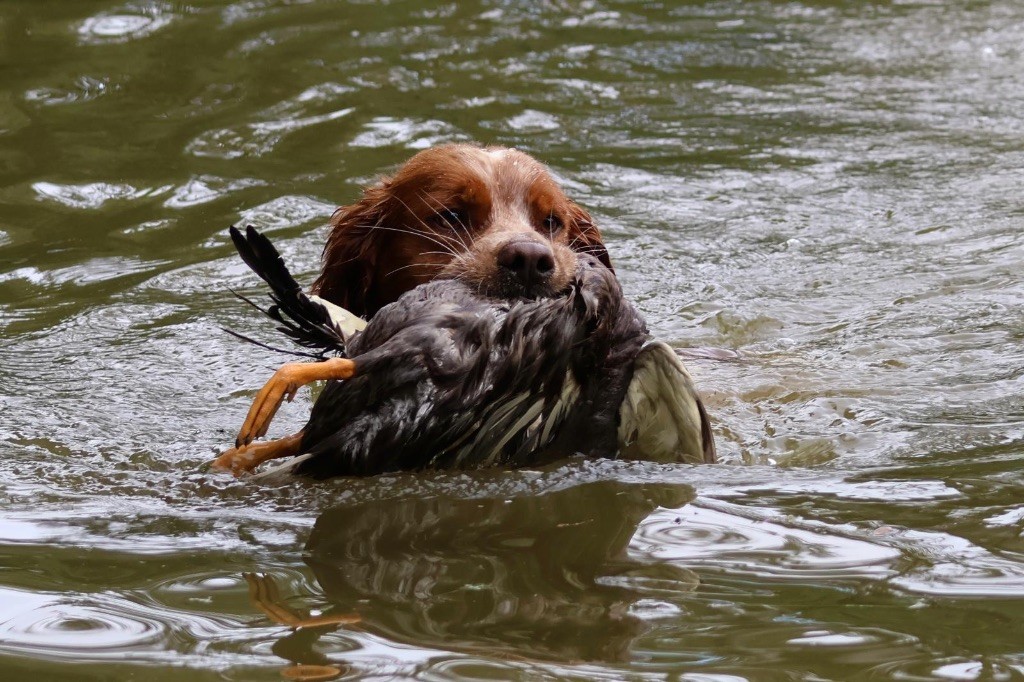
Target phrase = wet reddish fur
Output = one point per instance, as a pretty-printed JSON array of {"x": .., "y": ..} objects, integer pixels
[{"x": 395, "y": 237}]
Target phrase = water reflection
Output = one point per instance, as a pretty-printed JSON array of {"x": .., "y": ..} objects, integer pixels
[{"x": 527, "y": 577}]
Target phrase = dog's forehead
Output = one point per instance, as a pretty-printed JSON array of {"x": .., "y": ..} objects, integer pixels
[
  {"x": 509, "y": 176},
  {"x": 512, "y": 175}
]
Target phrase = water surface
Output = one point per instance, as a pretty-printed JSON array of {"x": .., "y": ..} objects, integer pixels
[{"x": 830, "y": 189}]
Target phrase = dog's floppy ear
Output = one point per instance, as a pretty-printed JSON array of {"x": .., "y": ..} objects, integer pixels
[
  {"x": 584, "y": 235},
  {"x": 352, "y": 252}
]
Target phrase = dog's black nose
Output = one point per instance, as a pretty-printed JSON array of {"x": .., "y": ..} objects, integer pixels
[{"x": 531, "y": 262}]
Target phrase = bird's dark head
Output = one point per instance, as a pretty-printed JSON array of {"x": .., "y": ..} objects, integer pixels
[{"x": 598, "y": 292}]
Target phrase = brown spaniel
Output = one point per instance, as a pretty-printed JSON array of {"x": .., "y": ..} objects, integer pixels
[{"x": 490, "y": 215}]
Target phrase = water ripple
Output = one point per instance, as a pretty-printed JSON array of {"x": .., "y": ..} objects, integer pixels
[
  {"x": 532, "y": 121},
  {"x": 81, "y": 274},
  {"x": 118, "y": 28},
  {"x": 207, "y": 188},
  {"x": 273, "y": 124},
  {"x": 950, "y": 565},
  {"x": 955, "y": 669},
  {"x": 81, "y": 627},
  {"x": 286, "y": 211},
  {"x": 386, "y": 131},
  {"x": 698, "y": 535},
  {"x": 91, "y": 195},
  {"x": 84, "y": 89}
]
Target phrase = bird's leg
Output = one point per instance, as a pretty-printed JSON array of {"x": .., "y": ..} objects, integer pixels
[
  {"x": 264, "y": 595},
  {"x": 284, "y": 384},
  {"x": 247, "y": 457}
]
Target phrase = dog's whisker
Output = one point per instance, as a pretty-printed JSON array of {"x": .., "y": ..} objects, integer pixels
[
  {"x": 414, "y": 265},
  {"x": 429, "y": 237},
  {"x": 415, "y": 232},
  {"x": 448, "y": 240},
  {"x": 576, "y": 241}
]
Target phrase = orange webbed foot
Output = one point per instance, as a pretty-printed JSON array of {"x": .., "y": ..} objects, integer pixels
[{"x": 245, "y": 459}]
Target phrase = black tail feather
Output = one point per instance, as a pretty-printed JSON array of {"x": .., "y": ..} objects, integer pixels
[
  {"x": 272, "y": 312},
  {"x": 303, "y": 320}
]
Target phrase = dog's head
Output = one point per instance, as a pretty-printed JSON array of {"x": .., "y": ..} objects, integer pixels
[{"x": 492, "y": 217}]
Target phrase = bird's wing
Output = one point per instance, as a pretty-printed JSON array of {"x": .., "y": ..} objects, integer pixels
[
  {"x": 528, "y": 420},
  {"x": 662, "y": 417}
]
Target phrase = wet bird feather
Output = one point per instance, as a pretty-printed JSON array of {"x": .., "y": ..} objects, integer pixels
[{"x": 452, "y": 378}]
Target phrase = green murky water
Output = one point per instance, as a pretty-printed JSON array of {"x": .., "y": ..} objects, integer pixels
[{"x": 834, "y": 189}]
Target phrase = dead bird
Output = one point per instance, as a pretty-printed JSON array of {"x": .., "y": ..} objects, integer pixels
[{"x": 456, "y": 375}]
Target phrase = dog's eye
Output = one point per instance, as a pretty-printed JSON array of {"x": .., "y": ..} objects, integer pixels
[
  {"x": 553, "y": 224},
  {"x": 452, "y": 218}
]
